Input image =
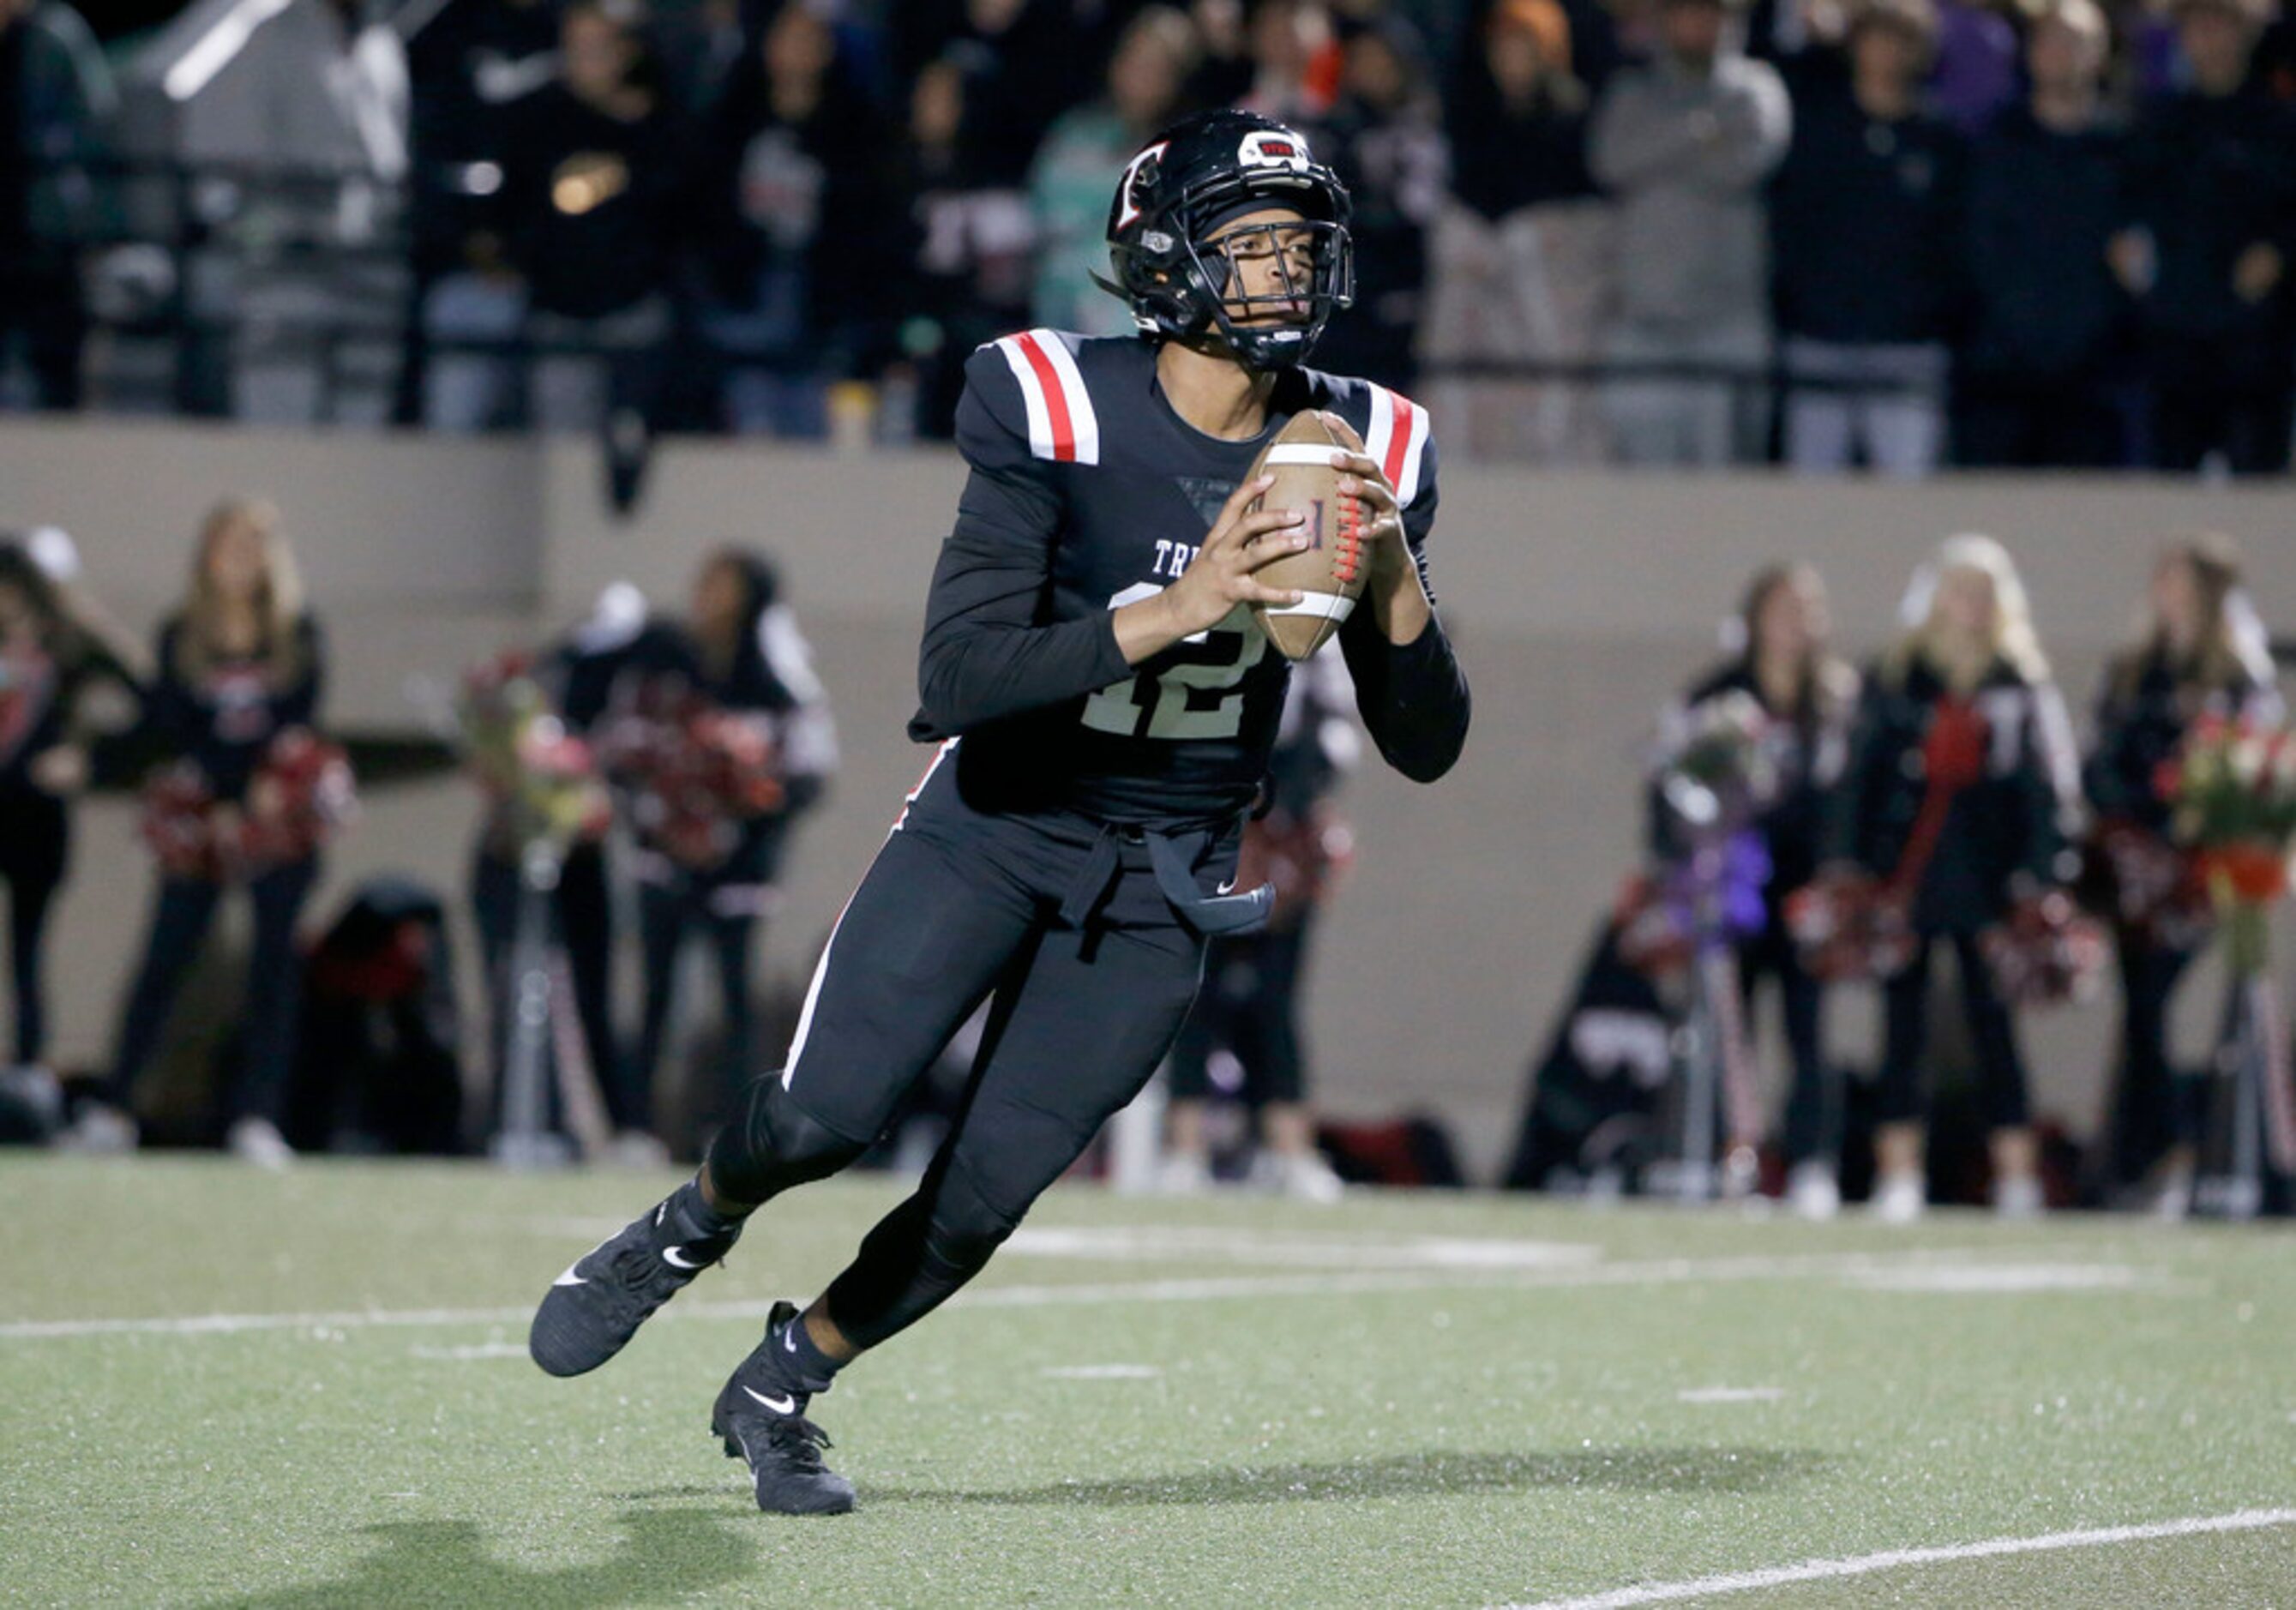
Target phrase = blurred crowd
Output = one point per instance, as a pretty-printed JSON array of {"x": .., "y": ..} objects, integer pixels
[
  {"x": 1879, "y": 234},
  {"x": 1815, "y": 823}
]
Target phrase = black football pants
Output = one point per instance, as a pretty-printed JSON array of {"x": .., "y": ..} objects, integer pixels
[{"x": 1058, "y": 923}]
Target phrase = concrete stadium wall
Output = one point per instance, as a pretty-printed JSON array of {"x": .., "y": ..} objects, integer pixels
[{"x": 1580, "y": 601}]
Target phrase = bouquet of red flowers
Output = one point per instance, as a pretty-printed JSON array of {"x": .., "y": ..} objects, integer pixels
[
  {"x": 301, "y": 794},
  {"x": 542, "y": 779},
  {"x": 2232, "y": 785},
  {"x": 697, "y": 775}
]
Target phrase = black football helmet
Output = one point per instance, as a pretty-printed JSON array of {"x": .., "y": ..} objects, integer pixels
[{"x": 1176, "y": 193}]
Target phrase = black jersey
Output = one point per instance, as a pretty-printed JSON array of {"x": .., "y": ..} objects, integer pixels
[{"x": 1089, "y": 492}]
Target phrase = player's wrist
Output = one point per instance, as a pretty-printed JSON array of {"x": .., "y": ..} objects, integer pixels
[
  {"x": 1148, "y": 626},
  {"x": 1399, "y": 605}
]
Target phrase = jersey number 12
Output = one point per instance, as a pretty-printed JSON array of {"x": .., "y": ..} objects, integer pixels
[{"x": 1197, "y": 692}]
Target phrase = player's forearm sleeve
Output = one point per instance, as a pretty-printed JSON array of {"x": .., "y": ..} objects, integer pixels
[
  {"x": 1413, "y": 698},
  {"x": 984, "y": 657}
]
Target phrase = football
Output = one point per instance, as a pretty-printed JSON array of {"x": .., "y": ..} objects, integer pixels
[{"x": 1331, "y": 570}]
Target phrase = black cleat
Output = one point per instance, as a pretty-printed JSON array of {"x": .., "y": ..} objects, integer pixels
[
  {"x": 596, "y": 1306},
  {"x": 761, "y": 1419}
]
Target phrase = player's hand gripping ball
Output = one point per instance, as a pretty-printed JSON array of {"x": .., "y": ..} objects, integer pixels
[{"x": 1329, "y": 574}]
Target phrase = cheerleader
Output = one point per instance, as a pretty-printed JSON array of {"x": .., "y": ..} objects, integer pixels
[
  {"x": 1960, "y": 785},
  {"x": 239, "y": 666},
  {"x": 48, "y": 657},
  {"x": 2200, "y": 652},
  {"x": 717, "y": 877},
  {"x": 1250, "y": 1007},
  {"x": 1808, "y": 696}
]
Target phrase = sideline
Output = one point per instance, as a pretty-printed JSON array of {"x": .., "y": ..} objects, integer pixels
[{"x": 1864, "y": 1564}]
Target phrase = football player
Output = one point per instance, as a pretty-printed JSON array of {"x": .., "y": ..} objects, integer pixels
[{"x": 1104, "y": 703}]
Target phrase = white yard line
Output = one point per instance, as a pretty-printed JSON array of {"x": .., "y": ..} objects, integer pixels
[
  {"x": 1730, "y": 1394},
  {"x": 1103, "y": 1372},
  {"x": 226, "y": 1325},
  {"x": 1864, "y": 1564},
  {"x": 1665, "y": 1272}
]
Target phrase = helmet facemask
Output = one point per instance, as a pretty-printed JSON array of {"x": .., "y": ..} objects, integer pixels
[{"x": 1314, "y": 268}]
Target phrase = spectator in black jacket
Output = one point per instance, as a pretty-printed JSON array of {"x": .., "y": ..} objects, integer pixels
[
  {"x": 2202, "y": 653},
  {"x": 469, "y": 69},
  {"x": 1866, "y": 215},
  {"x": 595, "y": 206},
  {"x": 1383, "y": 139},
  {"x": 970, "y": 264},
  {"x": 1040, "y": 57},
  {"x": 56, "y": 104},
  {"x": 1957, "y": 796},
  {"x": 1521, "y": 264},
  {"x": 2042, "y": 379},
  {"x": 237, "y": 666},
  {"x": 797, "y": 200},
  {"x": 2213, "y": 196}
]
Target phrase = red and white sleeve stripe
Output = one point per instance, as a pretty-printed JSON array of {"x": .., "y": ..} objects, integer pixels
[
  {"x": 1062, "y": 425},
  {"x": 1397, "y": 439}
]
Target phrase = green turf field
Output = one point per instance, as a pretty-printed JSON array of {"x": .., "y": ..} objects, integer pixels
[{"x": 220, "y": 1387}]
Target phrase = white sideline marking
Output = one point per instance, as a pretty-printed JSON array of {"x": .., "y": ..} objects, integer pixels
[
  {"x": 1661, "y": 1271},
  {"x": 225, "y": 1325},
  {"x": 1864, "y": 1564},
  {"x": 1103, "y": 1372},
  {"x": 1730, "y": 1394},
  {"x": 1986, "y": 1279}
]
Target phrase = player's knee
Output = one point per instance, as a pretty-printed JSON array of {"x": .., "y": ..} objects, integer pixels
[
  {"x": 967, "y": 1227},
  {"x": 777, "y": 1144},
  {"x": 798, "y": 1139}
]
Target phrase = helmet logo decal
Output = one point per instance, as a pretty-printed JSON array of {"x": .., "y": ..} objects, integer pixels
[
  {"x": 1128, "y": 207},
  {"x": 1273, "y": 148}
]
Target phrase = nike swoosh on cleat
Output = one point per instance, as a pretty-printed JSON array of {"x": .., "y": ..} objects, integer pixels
[
  {"x": 570, "y": 1277},
  {"x": 780, "y": 1406},
  {"x": 675, "y": 1258},
  {"x": 789, "y": 1337}
]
